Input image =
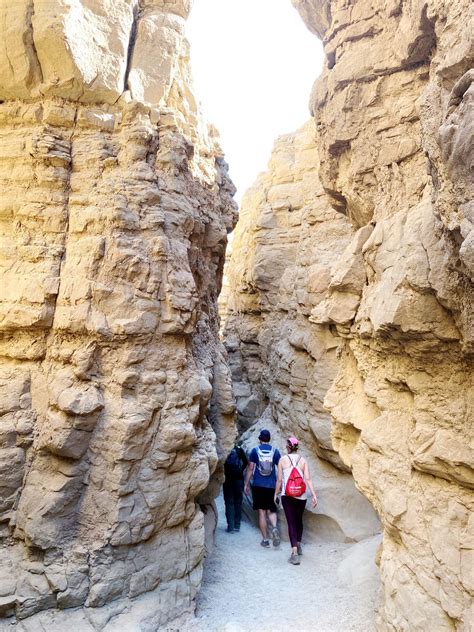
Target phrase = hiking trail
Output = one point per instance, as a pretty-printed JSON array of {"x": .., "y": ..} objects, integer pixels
[{"x": 246, "y": 587}]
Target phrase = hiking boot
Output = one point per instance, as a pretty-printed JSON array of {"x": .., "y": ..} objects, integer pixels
[
  {"x": 294, "y": 559},
  {"x": 276, "y": 537},
  {"x": 299, "y": 549},
  {"x": 265, "y": 543}
]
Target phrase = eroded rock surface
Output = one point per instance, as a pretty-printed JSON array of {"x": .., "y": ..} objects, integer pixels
[
  {"x": 285, "y": 243},
  {"x": 393, "y": 129},
  {"x": 113, "y": 385}
]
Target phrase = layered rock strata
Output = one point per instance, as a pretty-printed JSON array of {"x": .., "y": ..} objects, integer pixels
[
  {"x": 285, "y": 243},
  {"x": 114, "y": 392},
  {"x": 393, "y": 129}
]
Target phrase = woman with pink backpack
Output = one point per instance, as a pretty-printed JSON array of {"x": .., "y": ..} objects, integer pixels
[{"x": 292, "y": 479}]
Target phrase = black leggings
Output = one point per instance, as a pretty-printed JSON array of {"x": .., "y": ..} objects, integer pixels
[{"x": 294, "y": 508}]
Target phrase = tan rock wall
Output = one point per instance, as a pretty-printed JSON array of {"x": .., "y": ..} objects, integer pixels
[
  {"x": 389, "y": 129},
  {"x": 114, "y": 212},
  {"x": 283, "y": 249},
  {"x": 393, "y": 130}
]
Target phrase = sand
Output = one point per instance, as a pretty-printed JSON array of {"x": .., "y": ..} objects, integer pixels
[{"x": 247, "y": 587}]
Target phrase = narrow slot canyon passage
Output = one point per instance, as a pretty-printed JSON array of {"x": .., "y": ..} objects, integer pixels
[
  {"x": 328, "y": 337},
  {"x": 245, "y": 585},
  {"x": 335, "y": 588}
]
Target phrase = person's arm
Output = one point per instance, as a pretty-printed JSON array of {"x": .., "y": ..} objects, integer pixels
[
  {"x": 277, "y": 456},
  {"x": 248, "y": 476},
  {"x": 279, "y": 479},
  {"x": 309, "y": 482}
]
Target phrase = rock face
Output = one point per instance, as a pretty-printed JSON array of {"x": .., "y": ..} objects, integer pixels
[
  {"x": 386, "y": 278},
  {"x": 284, "y": 245},
  {"x": 114, "y": 391}
]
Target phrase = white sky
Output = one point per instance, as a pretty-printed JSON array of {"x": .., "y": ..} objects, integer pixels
[{"x": 254, "y": 63}]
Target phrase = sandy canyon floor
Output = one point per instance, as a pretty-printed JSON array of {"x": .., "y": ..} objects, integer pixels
[{"x": 247, "y": 587}]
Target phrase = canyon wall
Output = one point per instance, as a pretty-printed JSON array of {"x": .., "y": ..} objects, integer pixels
[
  {"x": 283, "y": 248},
  {"x": 352, "y": 295},
  {"x": 114, "y": 391}
]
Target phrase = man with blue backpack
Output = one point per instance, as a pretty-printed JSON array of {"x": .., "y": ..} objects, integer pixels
[
  {"x": 234, "y": 487},
  {"x": 263, "y": 461}
]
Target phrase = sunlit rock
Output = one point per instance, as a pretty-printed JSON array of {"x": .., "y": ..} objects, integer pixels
[
  {"x": 114, "y": 391},
  {"x": 393, "y": 149},
  {"x": 287, "y": 242}
]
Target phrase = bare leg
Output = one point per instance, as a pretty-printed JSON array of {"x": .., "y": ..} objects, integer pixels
[
  {"x": 262, "y": 522},
  {"x": 272, "y": 518}
]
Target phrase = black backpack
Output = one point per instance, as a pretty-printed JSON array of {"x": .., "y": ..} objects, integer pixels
[{"x": 234, "y": 464}]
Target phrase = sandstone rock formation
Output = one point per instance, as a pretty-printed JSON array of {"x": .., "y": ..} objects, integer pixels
[
  {"x": 114, "y": 212},
  {"x": 393, "y": 291},
  {"x": 279, "y": 271}
]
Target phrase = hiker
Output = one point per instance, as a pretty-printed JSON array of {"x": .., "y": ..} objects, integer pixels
[
  {"x": 293, "y": 479},
  {"x": 234, "y": 467},
  {"x": 262, "y": 469}
]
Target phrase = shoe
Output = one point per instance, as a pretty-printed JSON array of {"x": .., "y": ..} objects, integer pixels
[
  {"x": 276, "y": 537},
  {"x": 299, "y": 549},
  {"x": 294, "y": 559},
  {"x": 265, "y": 543},
  {"x": 229, "y": 530},
  {"x": 237, "y": 529}
]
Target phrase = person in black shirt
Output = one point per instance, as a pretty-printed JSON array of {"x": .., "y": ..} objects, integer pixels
[{"x": 234, "y": 487}]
